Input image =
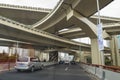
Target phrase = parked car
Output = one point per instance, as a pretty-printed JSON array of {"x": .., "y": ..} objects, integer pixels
[
  {"x": 67, "y": 62},
  {"x": 28, "y": 63},
  {"x": 61, "y": 62},
  {"x": 73, "y": 62}
]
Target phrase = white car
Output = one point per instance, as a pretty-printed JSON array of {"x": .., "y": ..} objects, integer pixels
[
  {"x": 28, "y": 63},
  {"x": 67, "y": 62}
]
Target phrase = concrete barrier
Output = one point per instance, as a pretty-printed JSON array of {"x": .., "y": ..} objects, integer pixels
[{"x": 102, "y": 74}]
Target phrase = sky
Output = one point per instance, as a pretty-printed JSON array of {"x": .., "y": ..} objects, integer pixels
[
  {"x": 35, "y": 3},
  {"x": 112, "y": 10}
]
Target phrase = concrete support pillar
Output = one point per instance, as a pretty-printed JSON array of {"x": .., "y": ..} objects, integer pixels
[
  {"x": 87, "y": 57},
  {"x": 31, "y": 52},
  {"x": 96, "y": 57},
  {"x": 115, "y": 51},
  {"x": 113, "y": 54},
  {"x": 43, "y": 55},
  {"x": 82, "y": 57},
  {"x": 40, "y": 55},
  {"x": 10, "y": 51},
  {"x": 47, "y": 57},
  {"x": 77, "y": 56},
  {"x": 37, "y": 52}
]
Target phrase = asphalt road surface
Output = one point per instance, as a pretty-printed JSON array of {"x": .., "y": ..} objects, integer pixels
[{"x": 57, "y": 72}]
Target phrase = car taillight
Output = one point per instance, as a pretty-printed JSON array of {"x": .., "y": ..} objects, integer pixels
[{"x": 16, "y": 64}]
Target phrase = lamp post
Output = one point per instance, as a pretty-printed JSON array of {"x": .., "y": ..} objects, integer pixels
[
  {"x": 100, "y": 37},
  {"x": 9, "y": 58},
  {"x": 80, "y": 60}
]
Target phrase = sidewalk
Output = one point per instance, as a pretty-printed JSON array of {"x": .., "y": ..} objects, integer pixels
[{"x": 6, "y": 66}]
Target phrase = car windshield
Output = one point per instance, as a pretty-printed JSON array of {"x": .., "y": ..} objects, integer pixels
[{"x": 22, "y": 59}]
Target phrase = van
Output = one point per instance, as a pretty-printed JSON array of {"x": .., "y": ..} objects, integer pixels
[{"x": 28, "y": 63}]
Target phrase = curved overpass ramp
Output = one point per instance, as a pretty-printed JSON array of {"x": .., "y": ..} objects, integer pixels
[
  {"x": 68, "y": 13},
  {"x": 23, "y": 14},
  {"x": 110, "y": 25},
  {"x": 71, "y": 13}
]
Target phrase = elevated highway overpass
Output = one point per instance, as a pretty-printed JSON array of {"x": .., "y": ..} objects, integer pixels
[
  {"x": 11, "y": 29},
  {"x": 110, "y": 28},
  {"x": 23, "y": 14},
  {"x": 55, "y": 28},
  {"x": 67, "y": 14},
  {"x": 110, "y": 25},
  {"x": 72, "y": 10},
  {"x": 73, "y": 15},
  {"x": 17, "y": 10}
]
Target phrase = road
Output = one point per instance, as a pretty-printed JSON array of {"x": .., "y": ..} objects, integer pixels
[{"x": 57, "y": 72}]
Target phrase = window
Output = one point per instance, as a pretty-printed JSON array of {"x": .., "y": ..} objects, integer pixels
[{"x": 23, "y": 59}]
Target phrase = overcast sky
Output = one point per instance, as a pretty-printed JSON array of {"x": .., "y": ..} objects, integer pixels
[
  {"x": 34, "y": 3},
  {"x": 112, "y": 9}
]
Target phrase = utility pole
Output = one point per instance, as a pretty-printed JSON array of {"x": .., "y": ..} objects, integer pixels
[{"x": 100, "y": 37}]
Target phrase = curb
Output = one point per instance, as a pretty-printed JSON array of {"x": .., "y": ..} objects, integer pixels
[{"x": 6, "y": 70}]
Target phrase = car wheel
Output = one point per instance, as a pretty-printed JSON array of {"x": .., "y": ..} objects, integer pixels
[
  {"x": 42, "y": 66},
  {"x": 18, "y": 70},
  {"x": 32, "y": 69}
]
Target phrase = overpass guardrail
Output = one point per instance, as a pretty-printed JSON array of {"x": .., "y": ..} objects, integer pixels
[
  {"x": 102, "y": 72},
  {"x": 38, "y": 9}
]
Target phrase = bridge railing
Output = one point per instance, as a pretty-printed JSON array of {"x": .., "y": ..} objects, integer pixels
[
  {"x": 25, "y": 7},
  {"x": 11, "y": 21},
  {"x": 49, "y": 15},
  {"x": 52, "y": 36},
  {"x": 102, "y": 72}
]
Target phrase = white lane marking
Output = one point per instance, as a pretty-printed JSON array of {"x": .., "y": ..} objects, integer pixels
[{"x": 66, "y": 68}]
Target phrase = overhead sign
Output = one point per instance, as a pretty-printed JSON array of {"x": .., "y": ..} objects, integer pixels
[{"x": 100, "y": 37}]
